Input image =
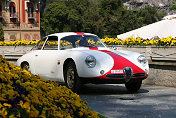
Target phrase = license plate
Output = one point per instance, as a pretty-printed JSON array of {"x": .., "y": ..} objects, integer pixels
[{"x": 116, "y": 71}]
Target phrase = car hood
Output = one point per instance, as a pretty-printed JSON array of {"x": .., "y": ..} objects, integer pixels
[
  {"x": 120, "y": 57},
  {"x": 95, "y": 51}
]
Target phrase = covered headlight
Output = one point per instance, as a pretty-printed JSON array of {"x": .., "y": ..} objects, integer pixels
[
  {"x": 142, "y": 59},
  {"x": 90, "y": 61}
]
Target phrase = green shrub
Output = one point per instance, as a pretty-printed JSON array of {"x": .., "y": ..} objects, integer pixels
[
  {"x": 172, "y": 6},
  {"x": 1, "y": 33},
  {"x": 25, "y": 95}
]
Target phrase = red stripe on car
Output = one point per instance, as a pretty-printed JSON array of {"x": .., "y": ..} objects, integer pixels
[
  {"x": 93, "y": 48},
  {"x": 79, "y": 33},
  {"x": 119, "y": 63}
]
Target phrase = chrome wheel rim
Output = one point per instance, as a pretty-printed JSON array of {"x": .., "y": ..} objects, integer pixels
[
  {"x": 70, "y": 77},
  {"x": 26, "y": 67}
]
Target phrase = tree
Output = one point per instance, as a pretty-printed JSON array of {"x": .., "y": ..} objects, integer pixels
[
  {"x": 111, "y": 12},
  {"x": 75, "y": 14},
  {"x": 64, "y": 16},
  {"x": 129, "y": 21},
  {"x": 1, "y": 33},
  {"x": 92, "y": 20},
  {"x": 149, "y": 15},
  {"x": 101, "y": 17},
  {"x": 55, "y": 18},
  {"x": 173, "y": 6}
]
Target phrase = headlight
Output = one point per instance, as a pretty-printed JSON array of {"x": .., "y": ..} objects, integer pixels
[
  {"x": 90, "y": 61},
  {"x": 142, "y": 59}
]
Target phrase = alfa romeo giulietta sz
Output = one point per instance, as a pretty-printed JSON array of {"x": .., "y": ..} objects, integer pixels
[{"x": 79, "y": 58}]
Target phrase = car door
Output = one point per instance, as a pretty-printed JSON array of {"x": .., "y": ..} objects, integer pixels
[{"x": 46, "y": 59}]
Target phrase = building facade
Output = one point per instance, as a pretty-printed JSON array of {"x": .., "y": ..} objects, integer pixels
[{"x": 20, "y": 19}]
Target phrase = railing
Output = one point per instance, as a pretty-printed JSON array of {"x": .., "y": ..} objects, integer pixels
[
  {"x": 32, "y": 16},
  {"x": 13, "y": 15},
  {"x": 11, "y": 26},
  {"x": 34, "y": 24}
]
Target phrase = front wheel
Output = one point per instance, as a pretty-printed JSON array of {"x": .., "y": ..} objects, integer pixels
[
  {"x": 71, "y": 77},
  {"x": 25, "y": 66},
  {"x": 133, "y": 85}
]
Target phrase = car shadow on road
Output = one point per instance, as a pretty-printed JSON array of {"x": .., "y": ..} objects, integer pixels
[{"x": 107, "y": 89}]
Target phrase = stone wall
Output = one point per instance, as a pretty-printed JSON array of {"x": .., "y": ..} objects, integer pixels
[
  {"x": 162, "y": 75},
  {"x": 162, "y": 63}
]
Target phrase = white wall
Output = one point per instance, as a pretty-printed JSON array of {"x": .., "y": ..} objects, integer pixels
[{"x": 162, "y": 29}]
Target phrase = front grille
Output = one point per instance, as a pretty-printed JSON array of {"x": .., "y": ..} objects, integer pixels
[
  {"x": 139, "y": 74},
  {"x": 128, "y": 71},
  {"x": 115, "y": 76}
]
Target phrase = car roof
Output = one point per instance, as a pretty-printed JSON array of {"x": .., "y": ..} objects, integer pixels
[{"x": 63, "y": 34}]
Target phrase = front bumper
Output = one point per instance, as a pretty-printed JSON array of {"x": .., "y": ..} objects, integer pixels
[
  {"x": 106, "y": 81},
  {"x": 114, "y": 78},
  {"x": 122, "y": 76}
]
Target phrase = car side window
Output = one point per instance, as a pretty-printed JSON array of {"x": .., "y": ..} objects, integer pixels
[
  {"x": 51, "y": 43},
  {"x": 65, "y": 43}
]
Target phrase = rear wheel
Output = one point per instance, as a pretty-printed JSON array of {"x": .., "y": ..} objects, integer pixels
[
  {"x": 25, "y": 66},
  {"x": 133, "y": 85},
  {"x": 71, "y": 77}
]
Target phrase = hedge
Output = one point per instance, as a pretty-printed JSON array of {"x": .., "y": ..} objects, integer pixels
[{"x": 25, "y": 95}]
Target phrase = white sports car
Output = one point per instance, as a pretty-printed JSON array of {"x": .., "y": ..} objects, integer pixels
[{"x": 78, "y": 58}]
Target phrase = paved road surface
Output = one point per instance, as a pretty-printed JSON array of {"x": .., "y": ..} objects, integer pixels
[{"x": 114, "y": 101}]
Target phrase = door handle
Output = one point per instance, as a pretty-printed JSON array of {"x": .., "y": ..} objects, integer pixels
[{"x": 36, "y": 55}]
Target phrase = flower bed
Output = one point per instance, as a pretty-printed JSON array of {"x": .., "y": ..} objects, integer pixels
[
  {"x": 18, "y": 43},
  {"x": 27, "y": 95},
  {"x": 168, "y": 41}
]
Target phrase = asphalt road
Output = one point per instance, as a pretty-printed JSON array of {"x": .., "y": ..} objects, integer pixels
[{"x": 113, "y": 101}]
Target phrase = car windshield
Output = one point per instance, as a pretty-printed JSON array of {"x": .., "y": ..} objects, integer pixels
[{"x": 76, "y": 41}]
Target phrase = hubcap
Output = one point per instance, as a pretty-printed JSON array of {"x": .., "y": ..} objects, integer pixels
[
  {"x": 70, "y": 77},
  {"x": 26, "y": 67}
]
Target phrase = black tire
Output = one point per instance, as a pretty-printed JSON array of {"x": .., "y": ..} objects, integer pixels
[
  {"x": 25, "y": 66},
  {"x": 133, "y": 85},
  {"x": 71, "y": 77}
]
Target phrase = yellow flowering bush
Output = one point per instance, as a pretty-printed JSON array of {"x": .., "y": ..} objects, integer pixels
[
  {"x": 25, "y": 95},
  {"x": 168, "y": 41},
  {"x": 18, "y": 43}
]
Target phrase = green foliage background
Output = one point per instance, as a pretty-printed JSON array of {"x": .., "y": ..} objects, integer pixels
[
  {"x": 101, "y": 17},
  {"x": 173, "y": 6}
]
